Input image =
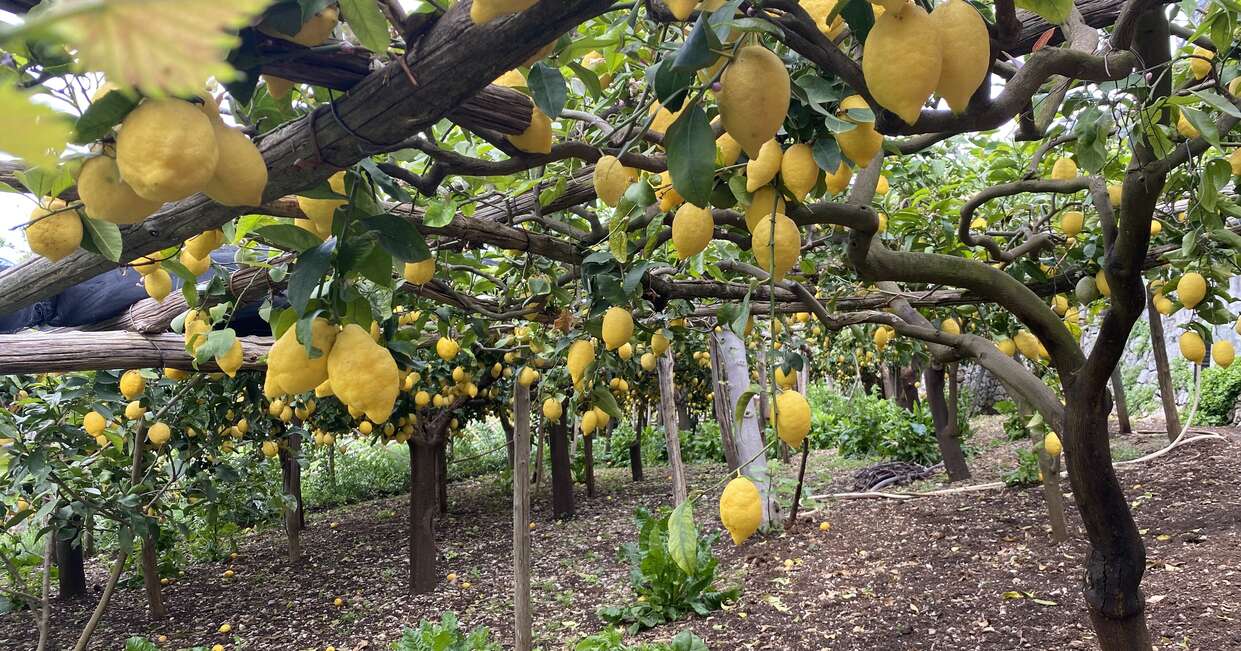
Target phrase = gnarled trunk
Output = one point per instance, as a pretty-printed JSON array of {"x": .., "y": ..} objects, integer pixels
[{"x": 946, "y": 434}]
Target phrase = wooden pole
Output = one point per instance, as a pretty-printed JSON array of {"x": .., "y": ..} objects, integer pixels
[
  {"x": 668, "y": 412},
  {"x": 1163, "y": 372},
  {"x": 1122, "y": 403},
  {"x": 522, "y": 621},
  {"x": 723, "y": 405},
  {"x": 44, "y": 352}
]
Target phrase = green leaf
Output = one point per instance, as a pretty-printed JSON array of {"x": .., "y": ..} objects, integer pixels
[
  {"x": 691, "y": 156},
  {"x": 1216, "y": 100},
  {"x": 440, "y": 213},
  {"x": 826, "y": 154},
  {"x": 699, "y": 50},
  {"x": 44, "y": 132},
  {"x": 45, "y": 181},
  {"x": 1053, "y": 11},
  {"x": 398, "y": 237},
  {"x": 683, "y": 537},
  {"x": 103, "y": 114},
  {"x": 367, "y": 23},
  {"x": 376, "y": 266},
  {"x": 618, "y": 239},
  {"x": 548, "y": 88},
  {"x": 104, "y": 236},
  {"x": 602, "y": 398},
  {"x": 1203, "y": 123},
  {"x": 744, "y": 401},
  {"x": 288, "y": 237},
  {"x": 217, "y": 343},
  {"x": 859, "y": 16},
  {"x": 670, "y": 86},
  {"x": 306, "y": 274}
]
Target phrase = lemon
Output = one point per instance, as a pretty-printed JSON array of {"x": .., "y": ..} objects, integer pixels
[
  {"x": 1192, "y": 347},
  {"x": 483, "y": 11},
  {"x": 589, "y": 422},
  {"x": 950, "y": 326},
  {"x": 159, "y": 433},
  {"x": 270, "y": 449},
  {"x": 860, "y": 144},
  {"x": 108, "y": 197},
  {"x": 158, "y": 285},
  {"x": 1027, "y": 343},
  {"x": 225, "y": 629},
  {"x": 421, "y": 272},
  {"x": 727, "y": 150},
  {"x": 1071, "y": 222},
  {"x": 966, "y": 54},
  {"x": 1006, "y": 346},
  {"x": 1234, "y": 161},
  {"x": 681, "y": 9},
  {"x": 792, "y": 417},
  {"x": 647, "y": 361},
  {"x": 783, "y": 380},
  {"x": 1114, "y": 192},
  {"x": 447, "y": 349},
  {"x": 132, "y": 384},
  {"x": 663, "y": 118},
  {"x": 1200, "y": 63},
  {"x": 668, "y": 196},
  {"x": 659, "y": 343},
  {"x": 692, "y": 230},
  {"x": 763, "y": 203},
  {"x": 288, "y": 365},
  {"x": 902, "y": 60},
  {"x": 94, "y": 423},
  {"x": 167, "y": 150},
  {"x": 1060, "y": 304},
  {"x": 838, "y": 181},
  {"x": 196, "y": 266},
  {"x": 625, "y": 351},
  {"x": 786, "y": 245},
  {"x": 231, "y": 359},
  {"x": 1191, "y": 289},
  {"x": 1186, "y": 129},
  {"x": 314, "y": 31},
  {"x": 753, "y": 97},
  {"x": 363, "y": 373},
  {"x": 321, "y": 211},
  {"x": 1165, "y": 306},
  {"x": 241, "y": 173},
  {"x": 537, "y": 138},
  {"x": 798, "y": 170},
  {"x": 527, "y": 376},
  {"x": 610, "y": 179},
  {"x": 581, "y": 354},
  {"x": 1063, "y": 169},
  {"x": 511, "y": 79},
  {"x": 1156, "y": 227},
  {"x": 1223, "y": 353},
  {"x": 552, "y": 409},
  {"x": 741, "y": 510},
  {"x": 277, "y": 87},
  {"x": 201, "y": 245},
  {"x": 617, "y": 327},
  {"x": 57, "y": 233},
  {"x": 819, "y": 10},
  {"x": 1051, "y": 444},
  {"x": 601, "y": 417},
  {"x": 760, "y": 170}
]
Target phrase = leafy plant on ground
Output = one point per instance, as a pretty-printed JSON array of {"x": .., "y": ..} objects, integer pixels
[
  {"x": 612, "y": 639},
  {"x": 865, "y": 425},
  {"x": 445, "y": 635},
  {"x": 1220, "y": 389},
  {"x": 672, "y": 572},
  {"x": 1026, "y": 473}
]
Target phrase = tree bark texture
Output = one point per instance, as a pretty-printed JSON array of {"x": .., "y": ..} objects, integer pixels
[
  {"x": 668, "y": 413},
  {"x": 722, "y": 404},
  {"x": 946, "y": 433},
  {"x": 71, "y": 571},
  {"x": 588, "y": 454},
  {"x": 1122, "y": 403},
  {"x": 1163, "y": 370},
  {"x": 746, "y": 431},
  {"x": 441, "y": 476},
  {"x": 522, "y": 619},
  {"x": 422, "y": 506},
  {"x": 562, "y": 474},
  {"x": 635, "y": 448},
  {"x": 97, "y": 351}
]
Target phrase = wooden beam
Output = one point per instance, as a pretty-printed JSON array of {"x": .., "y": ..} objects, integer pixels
[
  {"x": 66, "y": 350},
  {"x": 522, "y": 619}
]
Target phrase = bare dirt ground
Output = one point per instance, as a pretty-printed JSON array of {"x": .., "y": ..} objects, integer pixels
[{"x": 962, "y": 571}]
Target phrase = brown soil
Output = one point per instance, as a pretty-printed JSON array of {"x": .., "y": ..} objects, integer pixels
[{"x": 962, "y": 571}]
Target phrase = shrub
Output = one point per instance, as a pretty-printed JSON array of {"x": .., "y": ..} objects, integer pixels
[
  {"x": 612, "y": 639},
  {"x": 445, "y": 635},
  {"x": 665, "y": 591},
  {"x": 702, "y": 445},
  {"x": 1026, "y": 472},
  {"x": 363, "y": 471},
  {"x": 654, "y": 451},
  {"x": 1220, "y": 388},
  {"x": 865, "y": 425}
]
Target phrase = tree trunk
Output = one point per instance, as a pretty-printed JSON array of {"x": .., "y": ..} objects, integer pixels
[
  {"x": 721, "y": 403},
  {"x": 288, "y": 504},
  {"x": 946, "y": 434},
  {"x": 1122, "y": 404},
  {"x": 635, "y": 448},
  {"x": 71, "y": 572},
  {"x": 750, "y": 447},
  {"x": 1167, "y": 394},
  {"x": 538, "y": 453},
  {"x": 887, "y": 375},
  {"x": 588, "y": 452},
  {"x": 562, "y": 474},
  {"x": 520, "y": 445},
  {"x": 1050, "y": 479},
  {"x": 508, "y": 438},
  {"x": 150, "y": 577},
  {"x": 668, "y": 413},
  {"x": 331, "y": 465},
  {"x": 422, "y": 505},
  {"x": 295, "y": 467},
  {"x": 441, "y": 476}
]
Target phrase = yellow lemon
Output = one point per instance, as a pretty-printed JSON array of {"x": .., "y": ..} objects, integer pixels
[
  {"x": 838, "y": 181},
  {"x": 1223, "y": 353},
  {"x": 902, "y": 60},
  {"x": 94, "y": 423},
  {"x": 291, "y": 368},
  {"x": 1071, "y": 222},
  {"x": 792, "y": 417},
  {"x": 537, "y": 138},
  {"x": 783, "y": 240},
  {"x": 552, "y": 409},
  {"x": 1192, "y": 347},
  {"x": 754, "y": 97},
  {"x": 167, "y": 150},
  {"x": 1051, "y": 444},
  {"x": 241, "y": 173},
  {"x": 1191, "y": 289},
  {"x": 617, "y": 327},
  {"x": 1063, "y": 169},
  {"x": 741, "y": 510},
  {"x": 764, "y": 202},
  {"x": 159, "y": 433},
  {"x": 760, "y": 170},
  {"x": 322, "y": 211},
  {"x": 421, "y": 272},
  {"x": 967, "y": 52},
  {"x": 798, "y": 170},
  {"x": 106, "y": 196},
  {"x": 57, "y": 233},
  {"x": 610, "y": 179},
  {"x": 132, "y": 384},
  {"x": 483, "y": 11},
  {"x": 692, "y": 229},
  {"x": 363, "y": 373}
]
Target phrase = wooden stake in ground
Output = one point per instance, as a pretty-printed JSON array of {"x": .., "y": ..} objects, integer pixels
[
  {"x": 1159, "y": 346},
  {"x": 522, "y": 622},
  {"x": 668, "y": 413},
  {"x": 722, "y": 404},
  {"x": 747, "y": 432},
  {"x": 150, "y": 565},
  {"x": 1122, "y": 403}
]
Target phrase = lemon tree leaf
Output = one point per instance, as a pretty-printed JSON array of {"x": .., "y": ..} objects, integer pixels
[
  {"x": 744, "y": 401},
  {"x": 683, "y": 537},
  {"x": 104, "y": 238},
  {"x": 157, "y": 47},
  {"x": 1054, "y": 11},
  {"x": 32, "y": 132},
  {"x": 691, "y": 156},
  {"x": 548, "y": 87},
  {"x": 288, "y": 237},
  {"x": 306, "y": 274},
  {"x": 103, "y": 114},
  {"x": 367, "y": 22}
]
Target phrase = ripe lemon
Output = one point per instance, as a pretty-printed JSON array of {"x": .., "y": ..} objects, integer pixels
[
  {"x": 610, "y": 179},
  {"x": 363, "y": 373},
  {"x": 754, "y": 97},
  {"x": 1051, "y": 444},
  {"x": 1027, "y": 343},
  {"x": 108, "y": 197},
  {"x": 819, "y": 10},
  {"x": 763, "y": 203},
  {"x": 668, "y": 196},
  {"x": 901, "y": 61},
  {"x": 94, "y": 423},
  {"x": 201, "y": 245},
  {"x": 1006, "y": 346},
  {"x": 321, "y": 211},
  {"x": 692, "y": 229},
  {"x": 1223, "y": 353},
  {"x": 617, "y": 327},
  {"x": 798, "y": 170},
  {"x": 648, "y": 362},
  {"x": 966, "y": 55},
  {"x": 1200, "y": 63},
  {"x": 1060, "y": 304},
  {"x": 241, "y": 173},
  {"x": 134, "y": 410},
  {"x": 760, "y": 170},
  {"x": 786, "y": 245},
  {"x": 681, "y": 9},
  {"x": 230, "y": 360},
  {"x": 581, "y": 354},
  {"x": 484, "y": 11},
  {"x": 1100, "y": 283},
  {"x": 158, "y": 284},
  {"x": 1185, "y": 128},
  {"x": 792, "y": 417},
  {"x": 537, "y": 138},
  {"x": 659, "y": 343},
  {"x": 314, "y": 31},
  {"x": 1191, "y": 289},
  {"x": 527, "y": 376},
  {"x": 1071, "y": 222},
  {"x": 447, "y": 349},
  {"x": 727, "y": 150},
  {"x": 625, "y": 351},
  {"x": 741, "y": 510},
  {"x": 589, "y": 422},
  {"x": 57, "y": 233},
  {"x": 601, "y": 417},
  {"x": 159, "y": 433},
  {"x": 167, "y": 150},
  {"x": 270, "y": 449},
  {"x": 1192, "y": 347},
  {"x": 663, "y": 118},
  {"x": 552, "y": 409},
  {"x": 1063, "y": 169},
  {"x": 421, "y": 272},
  {"x": 950, "y": 326},
  {"x": 196, "y": 266},
  {"x": 132, "y": 384},
  {"x": 838, "y": 181},
  {"x": 1114, "y": 194},
  {"x": 291, "y": 368}
]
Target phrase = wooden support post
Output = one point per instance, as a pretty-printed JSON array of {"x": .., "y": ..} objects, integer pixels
[
  {"x": 1121, "y": 402},
  {"x": 635, "y": 448},
  {"x": 668, "y": 413},
  {"x": 747, "y": 431},
  {"x": 722, "y": 404},
  {"x": 522, "y": 621},
  {"x": 562, "y": 475},
  {"x": 1163, "y": 372},
  {"x": 150, "y": 568},
  {"x": 588, "y": 454}
]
